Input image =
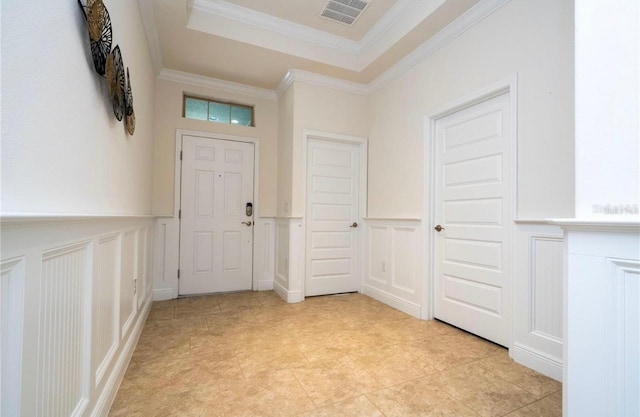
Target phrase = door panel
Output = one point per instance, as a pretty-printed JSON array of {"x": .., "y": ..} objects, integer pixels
[
  {"x": 216, "y": 249},
  {"x": 472, "y": 194},
  {"x": 333, "y": 187}
]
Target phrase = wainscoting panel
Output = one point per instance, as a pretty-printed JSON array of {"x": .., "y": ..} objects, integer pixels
[
  {"x": 264, "y": 253},
  {"x": 141, "y": 264},
  {"x": 127, "y": 282},
  {"x": 105, "y": 312},
  {"x": 281, "y": 278},
  {"x": 73, "y": 357},
  {"x": 12, "y": 276},
  {"x": 602, "y": 308},
  {"x": 62, "y": 388},
  {"x": 394, "y": 272},
  {"x": 537, "y": 306},
  {"x": 289, "y": 268}
]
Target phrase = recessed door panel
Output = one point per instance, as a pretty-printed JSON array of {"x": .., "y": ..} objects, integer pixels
[
  {"x": 473, "y": 130},
  {"x": 324, "y": 156},
  {"x": 486, "y": 212},
  {"x": 473, "y": 171},
  {"x": 332, "y": 185},
  {"x": 204, "y": 193}
]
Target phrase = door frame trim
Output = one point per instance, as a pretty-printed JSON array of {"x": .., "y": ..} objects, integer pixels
[
  {"x": 363, "y": 143},
  {"x": 506, "y": 86},
  {"x": 256, "y": 187}
]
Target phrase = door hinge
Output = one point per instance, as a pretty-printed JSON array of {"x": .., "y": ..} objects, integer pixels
[
  {"x": 181, "y": 155},
  {"x": 178, "y": 274},
  {"x": 179, "y": 214}
]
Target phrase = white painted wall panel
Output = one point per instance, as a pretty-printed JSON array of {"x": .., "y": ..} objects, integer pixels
[
  {"x": 538, "y": 291},
  {"x": 127, "y": 282},
  {"x": 546, "y": 289},
  {"x": 105, "y": 312},
  {"x": 602, "y": 308},
  {"x": 62, "y": 383},
  {"x": 405, "y": 259},
  {"x": 12, "y": 303},
  {"x": 394, "y": 263}
]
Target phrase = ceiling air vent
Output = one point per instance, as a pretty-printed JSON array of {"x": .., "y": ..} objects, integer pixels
[{"x": 344, "y": 11}]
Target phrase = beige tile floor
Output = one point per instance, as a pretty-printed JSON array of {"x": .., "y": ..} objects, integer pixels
[{"x": 250, "y": 354}]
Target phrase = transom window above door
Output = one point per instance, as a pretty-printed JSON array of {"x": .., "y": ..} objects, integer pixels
[{"x": 218, "y": 111}]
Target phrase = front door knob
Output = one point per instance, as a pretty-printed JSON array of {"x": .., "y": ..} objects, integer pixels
[
  {"x": 354, "y": 225},
  {"x": 439, "y": 228},
  {"x": 247, "y": 223}
]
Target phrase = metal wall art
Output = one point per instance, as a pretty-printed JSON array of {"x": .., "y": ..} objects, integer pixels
[{"x": 108, "y": 63}]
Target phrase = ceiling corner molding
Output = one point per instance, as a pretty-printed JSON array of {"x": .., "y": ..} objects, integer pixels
[
  {"x": 284, "y": 85},
  {"x": 456, "y": 28},
  {"x": 151, "y": 31},
  {"x": 275, "y": 24},
  {"x": 324, "y": 81},
  {"x": 208, "y": 82}
]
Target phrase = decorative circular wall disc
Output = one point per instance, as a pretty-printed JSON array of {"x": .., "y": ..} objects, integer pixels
[
  {"x": 130, "y": 116},
  {"x": 115, "y": 81},
  {"x": 100, "y": 33}
]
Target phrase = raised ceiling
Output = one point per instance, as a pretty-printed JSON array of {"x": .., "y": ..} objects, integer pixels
[{"x": 255, "y": 42}]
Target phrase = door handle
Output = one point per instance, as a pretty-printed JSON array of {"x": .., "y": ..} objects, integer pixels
[
  {"x": 439, "y": 228},
  {"x": 247, "y": 223},
  {"x": 354, "y": 225}
]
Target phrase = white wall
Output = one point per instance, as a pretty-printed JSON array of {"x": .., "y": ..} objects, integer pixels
[
  {"x": 607, "y": 106},
  {"x": 326, "y": 110},
  {"x": 285, "y": 150},
  {"x": 168, "y": 117},
  {"x": 63, "y": 151},
  {"x": 533, "y": 39}
]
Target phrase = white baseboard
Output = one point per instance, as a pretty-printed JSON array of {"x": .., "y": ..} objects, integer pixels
[
  {"x": 536, "y": 360},
  {"x": 265, "y": 285},
  {"x": 112, "y": 385},
  {"x": 163, "y": 294},
  {"x": 288, "y": 296},
  {"x": 394, "y": 301}
]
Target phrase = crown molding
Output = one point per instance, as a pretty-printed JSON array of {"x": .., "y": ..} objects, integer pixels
[
  {"x": 328, "y": 82},
  {"x": 208, "y": 82},
  {"x": 450, "y": 32},
  {"x": 456, "y": 28},
  {"x": 275, "y": 24},
  {"x": 395, "y": 24},
  {"x": 284, "y": 85},
  {"x": 271, "y": 32},
  {"x": 320, "y": 80},
  {"x": 151, "y": 31}
]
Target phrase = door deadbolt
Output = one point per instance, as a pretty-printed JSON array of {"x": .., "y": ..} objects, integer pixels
[
  {"x": 354, "y": 225},
  {"x": 439, "y": 228}
]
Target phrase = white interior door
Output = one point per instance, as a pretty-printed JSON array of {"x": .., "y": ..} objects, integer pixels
[
  {"x": 333, "y": 217},
  {"x": 473, "y": 206},
  {"x": 216, "y": 234}
]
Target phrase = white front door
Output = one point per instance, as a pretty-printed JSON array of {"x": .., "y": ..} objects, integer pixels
[
  {"x": 473, "y": 206},
  {"x": 216, "y": 234},
  {"x": 333, "y": 217}
]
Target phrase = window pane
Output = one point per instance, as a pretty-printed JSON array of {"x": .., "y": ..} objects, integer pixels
[
  {"x": 241, "y": 115},
  {"x": 196, "y": 109},
  {"x": 218, "y": 112}
]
